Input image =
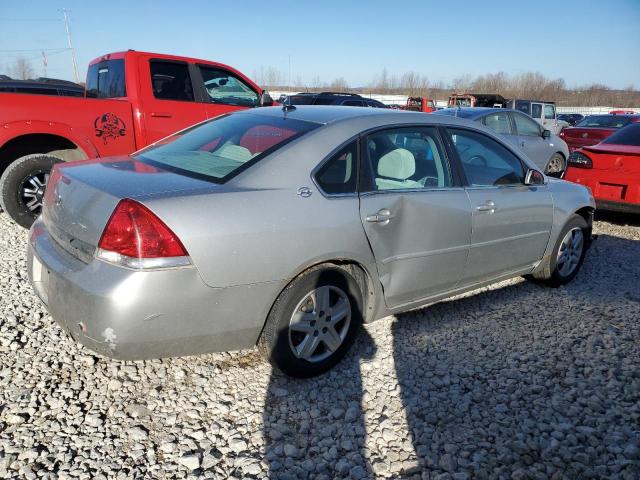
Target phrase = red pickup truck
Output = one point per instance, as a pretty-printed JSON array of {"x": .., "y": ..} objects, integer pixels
[{"x": 131, "y": 99}]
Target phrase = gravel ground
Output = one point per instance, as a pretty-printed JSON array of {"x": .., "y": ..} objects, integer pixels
[{"x": 514, "y": 381}]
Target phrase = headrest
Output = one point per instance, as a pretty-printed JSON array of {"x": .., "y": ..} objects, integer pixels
[{"x": 398, "y": 164}]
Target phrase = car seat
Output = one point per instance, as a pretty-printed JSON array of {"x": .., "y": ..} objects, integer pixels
[{"x": 394, "y": 170}]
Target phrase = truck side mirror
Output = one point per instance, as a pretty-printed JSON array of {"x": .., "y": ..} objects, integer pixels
[
  {"x": 265, "y": 99},
  {"x": 546, "y": 134}
]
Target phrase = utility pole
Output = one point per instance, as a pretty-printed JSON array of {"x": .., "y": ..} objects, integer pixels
[
  {"x": 65, "y": 12},
  {"x": 290, "y": 86}
]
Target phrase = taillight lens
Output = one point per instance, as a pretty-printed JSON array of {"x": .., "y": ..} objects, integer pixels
[
  {"x": 135, "y": 237},
  {"x": 579, "y": 160},
  {"x": 561, "y": 134}
]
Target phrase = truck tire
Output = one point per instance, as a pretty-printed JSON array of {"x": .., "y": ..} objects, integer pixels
[{"x": 22, "y": 187}]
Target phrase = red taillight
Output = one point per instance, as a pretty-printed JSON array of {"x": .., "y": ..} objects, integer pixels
[
  {"x": 135, "y": 232},
  {"x": 561, "y": 134}
]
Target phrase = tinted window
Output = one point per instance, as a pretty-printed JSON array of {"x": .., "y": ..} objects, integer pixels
[
  {"x": 523, "y": 106},
  {"x": 605, "y": 121},
  {"x": 408, "y": 158},
  {"x": 171, "y": 81},
  {"x": 526, "y": 126},
  {"x": 536, "y": 110},
  {"x": 485, "y": 161},
  {"x": 324, "y": 101},
  {"x": 339, "y": 174},
  {"x": 549, "y": 112},
  {"x": 106, "y": 79},
  {"x": 299, "y": 99},
  {"x": 226, "y": 88},
  {"x": 222, "y": 147},
  {"x": 498, "y": 122},
  {"x": 629, "y": 135},
  {"x": 353, "y": 103}
]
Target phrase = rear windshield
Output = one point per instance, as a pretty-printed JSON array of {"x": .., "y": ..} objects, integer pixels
[
  {"x": 223, "y": 147},
  {"x": 106, "y": 79},
  {"x": 605, "y": 121},
  {"x": 629, "y": 135},
  {"x": 456, "y": 112}
]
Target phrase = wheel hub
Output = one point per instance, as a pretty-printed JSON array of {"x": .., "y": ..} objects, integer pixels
[
  {"x": 570, "y": 252},
  {"x": 32, "y": 191}
]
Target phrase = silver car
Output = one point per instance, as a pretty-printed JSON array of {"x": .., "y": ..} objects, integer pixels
[
  {"x": 548, "y": 151},
  {"x": 288, "y": 227}
]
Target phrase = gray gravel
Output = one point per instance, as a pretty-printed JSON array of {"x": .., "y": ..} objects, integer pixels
[{"x": 515, "y": 381}]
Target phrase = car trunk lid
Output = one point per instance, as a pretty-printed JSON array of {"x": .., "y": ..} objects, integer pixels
[
  {"x": 81, "y": 197},
  {"x": 577, "y": 137},
  {"x": 619, "y": 158}
]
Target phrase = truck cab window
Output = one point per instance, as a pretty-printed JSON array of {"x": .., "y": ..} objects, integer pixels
[
  {"x": 171, "y": 81},
  {"x": 106, "y": 79},
  {"x": 225, "y": 88}
]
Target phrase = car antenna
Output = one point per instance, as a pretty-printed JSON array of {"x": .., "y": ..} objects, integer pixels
[{"x": 287, "y": 107}]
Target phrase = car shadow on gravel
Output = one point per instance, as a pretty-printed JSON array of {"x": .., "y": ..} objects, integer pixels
[
  {"x": 619, "y": 218},
  {"x": 315, "y": 427},
  {"x": 529, "y": 382}
]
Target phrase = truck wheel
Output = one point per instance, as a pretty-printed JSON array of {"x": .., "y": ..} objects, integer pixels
[
  {"x": 22, "y": 187},
  {"x": 312, "y": 323}
]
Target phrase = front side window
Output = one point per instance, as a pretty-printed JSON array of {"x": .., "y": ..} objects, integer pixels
[
  {"x": 171, "y": 81},
  {"x": 485, "y": 161},
  {"x": 526, "y": 126},
  {"x": 499, "y": 123},
  {"x": 407, "y": 159},
  {"x": 339, "y": 174},
  {"x": 549, "y": 112},
  {"x": 106, "y": 79},
  {"x": 219, "y": 149},
  {"x": 225, "y": 88},
  {"x": 536, "y": 110}
]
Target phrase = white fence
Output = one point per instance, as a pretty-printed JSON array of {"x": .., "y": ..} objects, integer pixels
[{"x": 402, "y": 99}]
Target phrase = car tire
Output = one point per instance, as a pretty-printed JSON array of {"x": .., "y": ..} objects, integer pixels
[
  {"x": 300, "y": 337},
  {"x": 22, "y": 187},
  {"x": 567, "y": 255},
  {"x": 555, "y": 166}
]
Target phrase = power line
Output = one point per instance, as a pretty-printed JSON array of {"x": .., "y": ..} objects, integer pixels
[
  {"x": 30, "y": 20},
  {"x": 36, "y": 50}
]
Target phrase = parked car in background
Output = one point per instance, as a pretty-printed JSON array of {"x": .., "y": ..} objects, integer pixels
[
  {"x": 420, "y": 104},
  {"x": 542, "y": 112},
  {"x": 132, "y": 99},
  {"x": 611, "y": 169},
  {"x": 332, "y": 98},
  {"x": 42, "y": 86},
  {"x": 476, "y": 100},
  {"x": 622, "y": 112},
  {"x": 546, "y": 150},
  {"x": 321, "y": 219},
  {"x": 595, "y": 128},
  {"x": 571, "y": 118}
]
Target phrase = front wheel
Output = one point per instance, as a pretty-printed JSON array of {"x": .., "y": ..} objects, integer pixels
[
  {"x": 312, "y": 323},
  {"x": 556, "y": 166},
  {"x": 22, "y": 187},
  {"x": 567, "y": 255}
]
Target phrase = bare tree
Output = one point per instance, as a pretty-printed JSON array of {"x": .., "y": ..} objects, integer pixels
[
  {"x": 22, "y": 69},
  {"x": 339, "y": 85}
]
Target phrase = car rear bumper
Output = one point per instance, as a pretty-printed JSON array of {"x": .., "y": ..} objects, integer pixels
[
  {"x": 135, "y": 315},
  {"x": 611, "y": 190}
]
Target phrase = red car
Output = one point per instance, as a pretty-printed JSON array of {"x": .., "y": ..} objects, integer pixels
[
  {"x": 594, "y": 129},
  {"x": 611, "y": 169}
]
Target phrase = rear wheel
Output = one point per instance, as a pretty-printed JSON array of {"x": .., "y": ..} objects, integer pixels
[
  {"x": 22, "y": 187},
  {"x": 556, "y": 165},
  {"x": 312, "y": 323},
  {"x": 568, "y": 254}
]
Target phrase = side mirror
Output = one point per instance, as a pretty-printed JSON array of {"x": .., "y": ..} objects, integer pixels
[
  {"x": 265, "y": 99},
  {"x": 534, "y": 177},
  {"x": 546, "y": 134}
]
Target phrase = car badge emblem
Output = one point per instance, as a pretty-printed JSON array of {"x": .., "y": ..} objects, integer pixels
[{"x": 304, "y": 192}]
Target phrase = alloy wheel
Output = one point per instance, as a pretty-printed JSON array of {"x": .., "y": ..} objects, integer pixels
[
  {"x": 32, "y": 191},
  {"x": 570, "y": 252}
]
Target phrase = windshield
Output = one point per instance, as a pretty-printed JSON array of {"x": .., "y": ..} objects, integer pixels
[
  {"x": 605, "y": 121},
  {"x": 223, "y": 147},
  {"x": 629, "y": 135}
]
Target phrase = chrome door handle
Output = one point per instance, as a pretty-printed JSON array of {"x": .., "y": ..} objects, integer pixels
[
  {"x": 488, "y": 206},
  {"x": 382, "y": 217}
]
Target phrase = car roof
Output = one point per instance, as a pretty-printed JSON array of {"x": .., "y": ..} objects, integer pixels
[{"x": 473, "y": 112}]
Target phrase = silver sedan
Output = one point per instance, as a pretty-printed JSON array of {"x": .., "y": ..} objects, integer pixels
[{"x": 287, "y": 228}]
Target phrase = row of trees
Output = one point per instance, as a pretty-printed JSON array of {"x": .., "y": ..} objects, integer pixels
[{"x": 530, "y": 85}]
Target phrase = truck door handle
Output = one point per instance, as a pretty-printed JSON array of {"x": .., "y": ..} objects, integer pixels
[
  {"x": 161, "y": 114},
  {"x": 488, "y": 206},
  {"x": 382, "y": 217}
]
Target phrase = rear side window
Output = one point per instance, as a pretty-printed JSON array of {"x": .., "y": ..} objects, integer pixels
[
  {"x": 106, "y": 79},
  {"x": 223, "y": 147},
  {"x": 339, "y": 174},
  {"x": 526, "y": 126},
  {"x": 353, "y": 103},
  {"x": 228, "y": 89},
  {"x": 485, "y": 161},
  {"x": 171, "y": 81},
  {"x": 499, "y": 123}
]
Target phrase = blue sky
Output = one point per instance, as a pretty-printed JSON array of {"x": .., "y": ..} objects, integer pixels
[{"x": 581, "y": 41}]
